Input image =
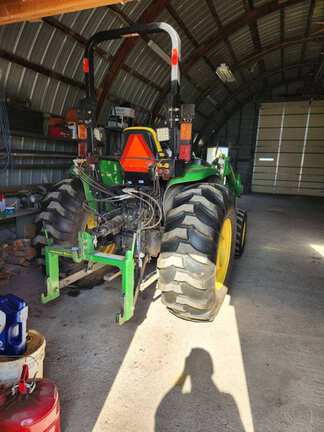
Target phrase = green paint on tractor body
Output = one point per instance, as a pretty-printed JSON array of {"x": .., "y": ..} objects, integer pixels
[
  {"x": 201, "y": 171},
  {"x": 111, "y": 175},
  {"x": 126, "y": 206},
  {"x": 111, "y": 172}
]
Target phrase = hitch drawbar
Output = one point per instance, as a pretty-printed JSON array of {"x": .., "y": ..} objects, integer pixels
[{"x": 96, "y": 260}]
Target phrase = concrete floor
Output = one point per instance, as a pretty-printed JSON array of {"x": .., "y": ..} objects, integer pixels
[{"x": 257, "y": 367}]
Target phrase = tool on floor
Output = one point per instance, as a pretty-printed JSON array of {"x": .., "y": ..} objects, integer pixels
[
  {"x": 32, "y": 405},
  {"x": 13, "y": 325}
]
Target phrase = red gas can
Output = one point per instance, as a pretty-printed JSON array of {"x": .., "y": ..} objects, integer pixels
[{"x": 34, "y": 410}]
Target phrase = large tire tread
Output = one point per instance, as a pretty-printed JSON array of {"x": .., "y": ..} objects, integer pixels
[
  {"x": 63, "y": 216},
  {"x": 188, "y": 253},
  {"x": 241, "y": 232}
]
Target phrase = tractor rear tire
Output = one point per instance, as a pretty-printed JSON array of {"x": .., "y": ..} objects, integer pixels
[
  {"x": 241, "y": 232},
  {"x": 199, "y": 238},
  {"x": 63, "y": 216}
]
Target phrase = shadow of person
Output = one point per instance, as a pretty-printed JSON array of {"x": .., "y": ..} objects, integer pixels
[{"x": 203, "y": 408}]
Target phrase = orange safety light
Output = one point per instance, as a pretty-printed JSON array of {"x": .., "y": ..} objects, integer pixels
[
  {"x": 185, "y": 131},
  {"x": 85, "y": 65},
  {"x": 82, "y": 132},
  {"x": 175, "y": 57},
  {"x": 137, "y": 156},
  {"x": 185, "y": 141}
]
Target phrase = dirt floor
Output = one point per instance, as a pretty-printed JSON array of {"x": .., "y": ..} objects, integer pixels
[{"x": 257, "y": 367}]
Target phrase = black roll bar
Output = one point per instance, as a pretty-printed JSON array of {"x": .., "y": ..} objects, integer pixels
[{"x": 133, "y": 31}]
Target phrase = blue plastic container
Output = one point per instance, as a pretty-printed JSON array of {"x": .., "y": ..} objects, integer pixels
[{"x": 13, "y": 325}]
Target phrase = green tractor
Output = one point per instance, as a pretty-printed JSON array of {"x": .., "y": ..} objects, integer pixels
[{"x": 154, "y": 201}]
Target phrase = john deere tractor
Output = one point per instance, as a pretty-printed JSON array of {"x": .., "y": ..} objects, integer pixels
[{"x": 154, "y": 201}]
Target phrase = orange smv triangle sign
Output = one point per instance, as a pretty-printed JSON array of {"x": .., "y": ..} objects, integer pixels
[{"x": 137, "y": 156}]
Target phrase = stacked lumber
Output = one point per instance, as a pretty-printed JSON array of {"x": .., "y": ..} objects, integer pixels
[{"x": 15, "y": 255}]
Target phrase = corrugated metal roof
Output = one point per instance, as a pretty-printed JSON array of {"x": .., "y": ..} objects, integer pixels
[
  {"x": 229, "y": 10},
  {"x": 43, "y": 44},
  {"x": 295, "y": 20},
  {"x": 242, "y": 43},
  {"x": 269, "y": 28},
  {"x": 197, "y": 18}
]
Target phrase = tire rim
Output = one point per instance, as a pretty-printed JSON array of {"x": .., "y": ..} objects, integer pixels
[{"x": 223, "y": 253}]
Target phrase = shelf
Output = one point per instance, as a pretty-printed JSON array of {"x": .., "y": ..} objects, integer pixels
[
  {"x": 44, "y": 137},
  {"x": 18, "y": 213},
  {"x": 13, "y": 190}
]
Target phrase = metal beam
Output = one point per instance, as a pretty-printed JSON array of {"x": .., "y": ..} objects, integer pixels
[
  {"x": 318, "y": 74},
  {"x": 37, "y": 68},
  {"x": 149, "y": 15},
  {"x": 174, "y": 14},
  {"x": 246, "y": 19},
  {"x": 183, "y": 27},
  {"x": 12, "y": 11},
  {"x": 227, "y": 42},
  {"x": 82, "y": 41},
  {"x": 268, "y": 49},
  {"x": 307, "y": 32},
  {"x": 181, "y": 24},
  {"x": 282, "y": 39},
  {"x": 278, "y": 45},
  {"x": 242, "y": 89},
  {"x": 252, "y": 96},
  {"x": 121, "y": 15},
  {"x": 189, "y": 35},
  {"x": 273, "y": 72},
  {"x": 129, "y": 22},
  {"x": 147, "y": 39},
  {"x": 254, "y": 31},
  {"x": 105, "y": 55}
]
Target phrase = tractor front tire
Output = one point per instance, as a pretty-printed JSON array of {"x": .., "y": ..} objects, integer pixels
[
  {"x": 197, "y": 251},
  {"x": 241, "y": 232}
]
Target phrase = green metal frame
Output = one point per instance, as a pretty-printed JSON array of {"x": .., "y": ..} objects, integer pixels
[
  {"x": 196, "y": 172},
  {"x": 86, "y": 252},
  {"x": 232, "y": 180},
  {"x": 111, "y": 174}
]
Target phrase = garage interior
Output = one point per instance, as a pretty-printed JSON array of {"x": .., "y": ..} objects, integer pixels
[{"x": 258, "y": 365}]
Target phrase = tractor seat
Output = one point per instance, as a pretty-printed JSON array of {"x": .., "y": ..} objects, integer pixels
[{"x": 141, "y": 151}]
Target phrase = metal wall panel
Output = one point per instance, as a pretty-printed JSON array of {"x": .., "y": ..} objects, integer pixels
[
  {"x": 289, "y": 156},
  {"x": 239, "y": 135}
]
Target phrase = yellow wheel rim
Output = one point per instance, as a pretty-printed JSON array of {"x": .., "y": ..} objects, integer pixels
[{"x": 223, "y": 253}]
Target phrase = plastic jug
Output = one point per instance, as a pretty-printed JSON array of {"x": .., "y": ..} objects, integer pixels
[{"x": 13, "y": 325}]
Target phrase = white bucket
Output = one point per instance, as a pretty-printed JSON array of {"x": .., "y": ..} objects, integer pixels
[{"x": 11, "y": 367}]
